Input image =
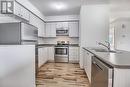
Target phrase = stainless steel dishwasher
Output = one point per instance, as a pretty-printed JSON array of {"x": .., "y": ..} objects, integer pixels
[{"x": 102, "y": 74}]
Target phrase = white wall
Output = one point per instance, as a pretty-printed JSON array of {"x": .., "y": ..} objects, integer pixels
[
  {"x": 119, "y": 9},
  {"x": 94, "y": 24},
  {"x": 60, "y": 38},
  {"x": 94, "y": 20},
  {"x": 120, "y": 14}
]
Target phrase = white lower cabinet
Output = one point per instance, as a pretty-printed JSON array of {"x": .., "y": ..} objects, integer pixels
[
  {"x": 42, "y": 56},
  {"x": 50, "y": 54},
  {"x": 87, "y": 63},
  {"x": 45, "y": 54},
  {"x": 74, "y": 54}
]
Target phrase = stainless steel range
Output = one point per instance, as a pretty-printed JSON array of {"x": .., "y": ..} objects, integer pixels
[{"x": 62, "y": 51}]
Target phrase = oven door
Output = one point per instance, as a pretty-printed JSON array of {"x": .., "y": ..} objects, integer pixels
[
  {"x": 61, "y": 54},
  {"x": 61, "y": 51}
]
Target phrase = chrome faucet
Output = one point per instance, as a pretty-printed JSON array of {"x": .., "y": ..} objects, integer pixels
[{"x": 107, "y": 46}]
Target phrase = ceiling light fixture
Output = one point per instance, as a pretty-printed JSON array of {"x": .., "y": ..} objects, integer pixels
[{"x": 59, "y": 6}]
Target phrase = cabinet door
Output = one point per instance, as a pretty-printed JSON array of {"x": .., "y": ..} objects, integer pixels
[
  {"x": 73, "y": 29},
  {"x": 43, "y": 29},
  {"x": 25, "y": 13},
  {"x": 45, "y": 54},
  {"x": 53, "y": 30},
  {"x": 51, "y": 54},
  {"x": 42, "y": 56},
  {"x": 47, "y": 30},
  {"x": 40, "y": 60},
  {"x": 89, "y": 62},
  {"x": 85, "y": 56},
  {"x": 50, "y": 30},
  {"x": 21, "y": 11},
  {"x": 33, "y": 19},
  {"x": 59, "y": 25},
  {"x": 65, "y": 25},
  {"x": 40, "y": 28},
  {"x": 74, "y": 54},
  {"x": 17, "y": 9},
  {"x": 39, "y": 24}
]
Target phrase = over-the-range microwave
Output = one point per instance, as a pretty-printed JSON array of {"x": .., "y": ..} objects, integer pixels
[{"x": 62, "y": 32}]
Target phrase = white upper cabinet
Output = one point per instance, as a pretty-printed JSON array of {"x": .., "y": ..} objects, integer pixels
[
  {"x": 41, "y": 28},
  {"x": 21, "y": 12},
  {"x": 58, "y": 25},
  {"x": 50, "y": 30},
  {"x": 39, "y": 24},
  {"x": 25, "y": 13},
  {"x": 73, "y": 29},
  {"x": 33, "y": 20},
  {"x": 17, "y": 9},
  {"x": 62, "y": 25},
  {"x": 65, "y": 25}
]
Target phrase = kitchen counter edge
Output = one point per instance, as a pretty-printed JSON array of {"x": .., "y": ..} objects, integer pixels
[{"x": 105, "y": 61}]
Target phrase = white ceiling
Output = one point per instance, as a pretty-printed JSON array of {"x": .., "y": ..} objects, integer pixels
[
  {"x": 72, "y": 7},
  {"x": 120, "y": 5},
  {"x": 46, "y": 7}
]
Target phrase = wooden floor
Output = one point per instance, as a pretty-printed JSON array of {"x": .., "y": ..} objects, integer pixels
[{"x": 61, "y": 75}]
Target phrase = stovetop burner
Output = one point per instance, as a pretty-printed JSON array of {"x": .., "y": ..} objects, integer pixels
[{"x": 62, "y": 43}]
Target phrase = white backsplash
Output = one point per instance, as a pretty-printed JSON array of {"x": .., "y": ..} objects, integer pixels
[{"x": 61, "y": 38}]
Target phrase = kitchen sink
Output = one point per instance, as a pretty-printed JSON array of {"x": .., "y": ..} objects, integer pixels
[{"x": 105, "y": 50}]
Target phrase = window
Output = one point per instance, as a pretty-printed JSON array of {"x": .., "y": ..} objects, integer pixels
[{"x": 112, "y": 36}]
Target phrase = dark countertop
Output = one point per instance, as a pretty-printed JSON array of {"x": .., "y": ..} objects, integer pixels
[
  {"x": 48, "y": 45},
  {"x": 121, "y": 59},
  {"x": 74, "y": 45}
]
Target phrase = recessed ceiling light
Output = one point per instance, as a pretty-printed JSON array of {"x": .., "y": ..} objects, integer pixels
[{"x": 59, "y": 6}]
